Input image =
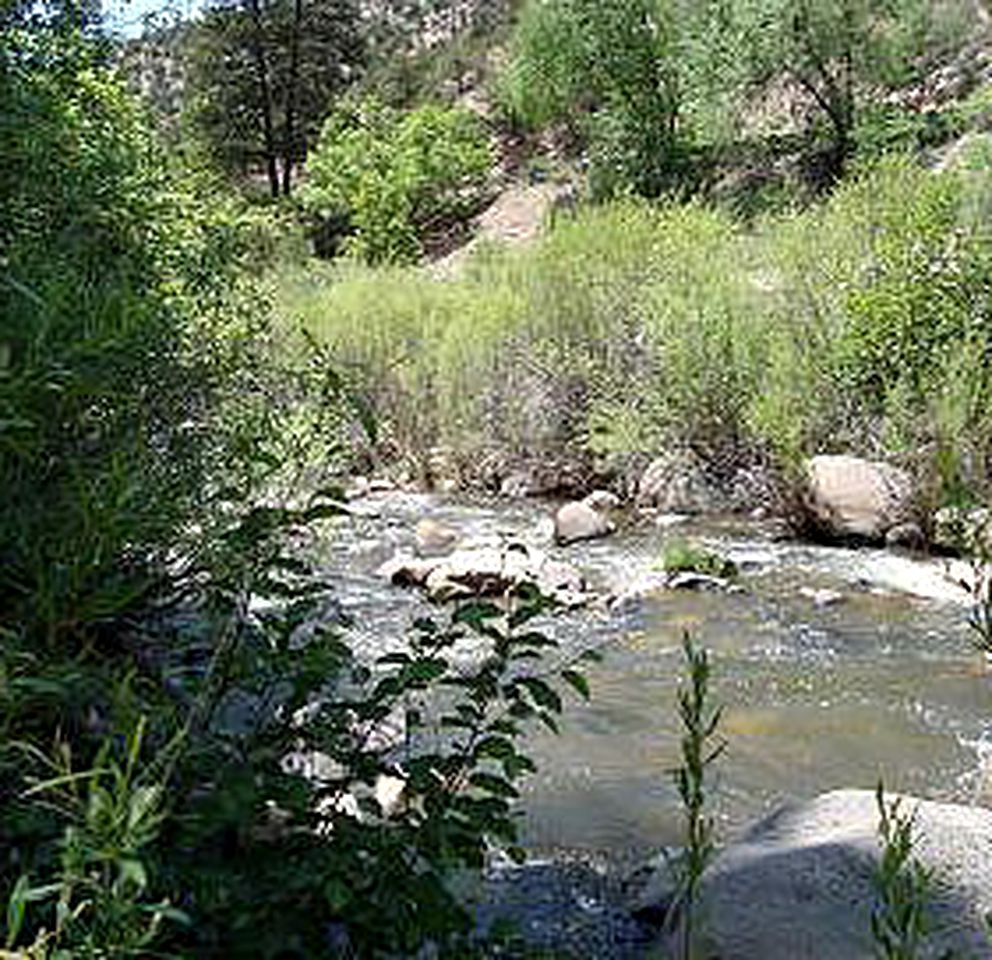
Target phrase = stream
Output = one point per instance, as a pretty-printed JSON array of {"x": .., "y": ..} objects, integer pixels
[{"x": 882, "y": 682}]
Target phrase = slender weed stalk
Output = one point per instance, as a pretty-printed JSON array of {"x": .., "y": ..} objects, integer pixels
[
  {"x": 903, "y": 886},
  {"x": 700, "y": 747}
]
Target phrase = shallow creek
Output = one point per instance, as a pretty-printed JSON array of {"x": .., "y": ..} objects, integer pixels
[{"x": 815, "y": 697}]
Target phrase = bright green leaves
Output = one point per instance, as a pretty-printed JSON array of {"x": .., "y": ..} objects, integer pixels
[{"x": 387, "y": 178}]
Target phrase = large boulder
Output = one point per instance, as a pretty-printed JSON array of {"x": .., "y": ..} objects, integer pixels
[
  {"x": 678, "y": 482},
  {"x": 798, "y": 885},
  {"x": 851, "y": 497}
]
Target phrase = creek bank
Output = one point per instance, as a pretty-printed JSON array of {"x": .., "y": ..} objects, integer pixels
[
  {"x": 837, "y": 498},
  {"x": 798, "y": 884}
]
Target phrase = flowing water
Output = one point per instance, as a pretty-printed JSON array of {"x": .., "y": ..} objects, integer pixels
[{"x": 815, "y": 697}]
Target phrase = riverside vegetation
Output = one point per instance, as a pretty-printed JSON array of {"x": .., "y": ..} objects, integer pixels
[{"x": 193, "y": 759}]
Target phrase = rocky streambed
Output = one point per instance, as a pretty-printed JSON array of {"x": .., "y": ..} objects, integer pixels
[{"x": 834, "y": 665}]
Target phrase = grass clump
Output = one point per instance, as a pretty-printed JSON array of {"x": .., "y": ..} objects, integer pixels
[
  {"x": 680, "y": 556},
  {"x": 700, "y": 749}
]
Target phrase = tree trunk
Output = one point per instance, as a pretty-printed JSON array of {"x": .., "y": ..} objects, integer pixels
[
  {"x": 289, "y": 140},
  {"x": 265, "y": 92}
]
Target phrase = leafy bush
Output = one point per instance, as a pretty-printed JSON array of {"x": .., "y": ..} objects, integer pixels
[
  {"x": 129, "y": 368},
  {"x": 388, "y": 178},
  {"x": 277, "y": 748}
]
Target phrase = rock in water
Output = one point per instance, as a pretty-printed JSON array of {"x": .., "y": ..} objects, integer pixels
[
  {"x": 602, "y": 500},
  {"x": 798, "y": 885},
  {"x": 580, "y": 520},
  {"x": 488, "y": 571},
  {"x": 907, "y": 535},
  {"x": 435, "y": 539},
  {"x": 852, "y": 497},
  {"x": 678, "y": 482}
]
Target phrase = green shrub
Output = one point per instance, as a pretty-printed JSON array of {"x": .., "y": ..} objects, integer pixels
[
  {"x": 857, "y": 325},
  {"x": 128, "y": 341},
  {"x": 387, "y": 177},
  {"x": 885, "y": 292},
  {"x": 166, "y": 650}
]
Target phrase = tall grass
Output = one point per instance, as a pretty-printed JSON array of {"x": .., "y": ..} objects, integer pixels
[{"x": 857, "y": 325}]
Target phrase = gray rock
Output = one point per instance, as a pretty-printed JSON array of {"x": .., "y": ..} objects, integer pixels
[
  {"x": 357, "y": 487},
  {"x": 852, "y": 497},
  {"x": 468, "y": 573},
  {"x": 602, "y": 500},
  {"x": 798, "y": 885},
  {"x": 690, "y": 580},
  {"x": 822, "y": 596},
  {"x": 907, "y": 535},
  {"x": 488, "y": 571},
  {"x": 580, "y": 521},
  {"x": 406, "y": 571},
  {"x": 382, "y": 485},
  {"x": 677, "y": 482},
  {"x": 519, "y": 484}
]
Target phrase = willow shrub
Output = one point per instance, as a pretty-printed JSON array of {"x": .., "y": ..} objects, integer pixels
[{"x": 859, "y": 325}]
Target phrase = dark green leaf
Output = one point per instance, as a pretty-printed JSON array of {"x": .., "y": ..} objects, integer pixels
[
  {"x": 577, "y": 682},
  {"x": 494, "y": 784}
]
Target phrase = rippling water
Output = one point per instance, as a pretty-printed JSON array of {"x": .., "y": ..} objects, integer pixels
[{"x": 882, "y": 683}]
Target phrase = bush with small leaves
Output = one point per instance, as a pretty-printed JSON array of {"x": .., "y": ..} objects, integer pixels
[{"x": 385, "y": 179}]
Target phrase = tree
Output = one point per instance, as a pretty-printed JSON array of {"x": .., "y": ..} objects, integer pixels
[
  {"x": 264, "y": 73},
  {"x": 628, "y": 76},
  {"x": 840, "y": 53}
]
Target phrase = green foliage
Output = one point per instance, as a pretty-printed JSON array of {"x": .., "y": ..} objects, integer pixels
[
  {"x": 277, "y": 746},
  {"x": 883, "y": 129},
  {"x": 306, "y": 840},
  {"x": 840, "y": 52},
  {"x": 112, "y": 815},
  {"x": 699, "y": 722},
  {"x": 389, "y": 177},
  {"x": 165, "y": 654},
  {"x": 903, "y": 887},
  {"x": 857, "y": 325},
  {"x": 683, "y": 557},
  {"x": 612, "y": 71},
  {"x": 127, "y": 339}
]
